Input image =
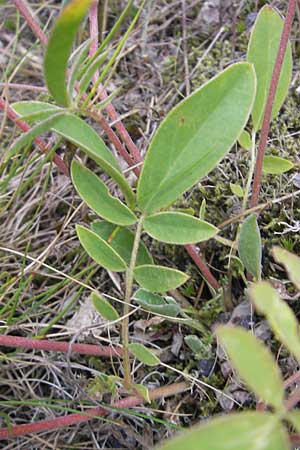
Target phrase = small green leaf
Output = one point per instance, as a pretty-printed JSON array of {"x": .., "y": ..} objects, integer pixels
[
  {"x": 243, "y": 431},
  {"x": 250, "y": 246},
  {"x": 253, "y": 361},
  {"x": 77, "y": 131},
  {"x": 159, "y": 278},
  {"x": 237, "y": 190},
  {"x": 279, "y": 315},
  {"x": 178, "y": 228},
  {"x": 59, "y": 49},
  {"x": 276, "y": 165},
  {"x": 99, "y": 250},
  {"x": 142, "y": 391},
  {"x": 262, "y": 52},
  {"x": 157, "y": 304},
  {"x": 191, "y": 141},
  {"x": 195, "y": 344},
  {"x": 290, "y": 262},
  {"x": 202, "y": 210},
  {"x": 143, "y": 354},
  {"x": 121, "y": 240},
  {"x": 77, "y": 60},
  {"x": 245, "y": 140},
  {"x": 104, "y": 308},
  {"x": 96, "y": 195}
]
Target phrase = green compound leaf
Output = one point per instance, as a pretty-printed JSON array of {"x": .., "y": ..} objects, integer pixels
[
  {"x": 159, "y": 278},
  {"x": 75, "y": 130},
  {"x": 191, "y": 140},
  {"x": 243, "y": 431},
  {"x": 262, "y": 52},
  {"x": 96, "y": 195},
  {"x": 59, "y": 49},
  {"x": 245, "y": 140},
  {"x": 178, "y": 228},
  {"x": 166, "y": 306},
  {"x": 276, "y": 165},
  {"x": 104, "y": 308},
  {"x": 253, "y": 361},
  {"x": 121, "y": 240},
  {"x": 279, "y": 315},
  {"x": 99, "y": 250},
  {"x": 249, "y": 246},
  {"x": 143, "y": 354},
  {"x": 290, "y": 262}
]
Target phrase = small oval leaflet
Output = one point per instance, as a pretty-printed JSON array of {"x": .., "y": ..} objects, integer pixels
[
  {"x": 96, "y": 195},
  {"x": 166, "y": 306},
  {"x": 104, "y": 308},
  {"x": 143, "y": 354},
  {"x": 276, "y": 165},
  {"x": 291, "y": 263},
  {"x": 178, "y": 228},
  {"x": 99, "y": 250},
  {"x": 249, "y": 246},
  {"x": 159, "y": 278}
]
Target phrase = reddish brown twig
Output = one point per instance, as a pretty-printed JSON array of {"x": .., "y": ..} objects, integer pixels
[
  {"x": 270, "y": 100},
  {"x": 24, "y": 9},
  {"x": 72, "y": 419},
  {"x": 56, "y": 346},
  {"x": 38, "y": 141},
  {"x": 192, "y": 251}
]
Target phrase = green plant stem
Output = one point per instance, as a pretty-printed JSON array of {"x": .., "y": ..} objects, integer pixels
[
  {"x": 251, "y": 171},
  {"x": 126, "y": 310}
]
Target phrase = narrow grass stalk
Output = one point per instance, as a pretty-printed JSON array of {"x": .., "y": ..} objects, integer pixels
[
  {"x": 270, "y": 100},
  {"x": 126, "y": 310},
  {"x": 24, "y": 9}
]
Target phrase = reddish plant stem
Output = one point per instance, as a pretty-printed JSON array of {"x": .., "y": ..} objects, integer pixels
[
  {"x": 134, "y": 156},
  {"x": 192, "y": 251},
  {"x": 72, "y": 419},
  {"x": 24, "y": 9},
  {"x": 270, "y": 100},
  {"x": 38, "y": 141},
  {"x": 56, "y": 346}
]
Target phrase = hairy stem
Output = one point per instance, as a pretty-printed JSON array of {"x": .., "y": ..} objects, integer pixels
[
  {"x": 126, "y": 310},
  {"x": 270, "y": 100}
]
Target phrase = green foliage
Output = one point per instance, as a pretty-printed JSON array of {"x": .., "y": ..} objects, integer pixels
[
  {"x": 99, "y": 250},
  {"x": 143, "y": 354},
  {"x": 237, "y": 190},
  {"x": 253, "y": 361},
  {"x": 121, "y": 240},
  {"x": 250, "y": 246},
  {"x": 96, "y": 195},
  {"x": 262, "y": 51},
  {"x": 104, "y": 308},
  {"x": 187, "y": 146},
  {"x": 166, "y": 306},
  {"x": 244, "y": 431},
  {"x": 59, "y": 49},
  {"x": 245, "y": 140},
  {"x": 159, "y": 278},
  {"x": 291, "y": 263},
  {"x": 276, "y": 165},
  {"x": 279, "y": 315},
  {"x": 178, "y": 228}
]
